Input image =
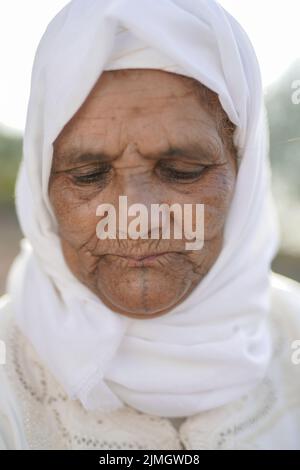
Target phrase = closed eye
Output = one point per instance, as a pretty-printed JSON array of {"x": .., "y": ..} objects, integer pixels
[
  {"x": 98, "y": 175},
  {"x": 171, "y": 173}
]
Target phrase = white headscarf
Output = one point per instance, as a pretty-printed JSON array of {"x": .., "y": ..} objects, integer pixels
[{"x": 215, "y": 345}]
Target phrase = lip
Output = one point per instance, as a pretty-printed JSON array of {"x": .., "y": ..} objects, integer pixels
[{"x": 145, "y": 260}]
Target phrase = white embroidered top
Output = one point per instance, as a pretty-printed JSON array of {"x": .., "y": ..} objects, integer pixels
[{"x": 35, "y": 412}]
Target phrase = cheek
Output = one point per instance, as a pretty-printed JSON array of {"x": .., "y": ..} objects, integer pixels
[
  {"x": 217, "y": 201},
  {"x": 215, "y": 190},
  {"x": 74, "y": 211}
]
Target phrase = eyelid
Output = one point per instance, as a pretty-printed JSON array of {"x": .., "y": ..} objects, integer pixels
[
  {"x": 187, "y": 165},
  {"x": 96, "y": 178},
  {"x": 169, "y": 173},
  {"x": 188, "y": 160}
]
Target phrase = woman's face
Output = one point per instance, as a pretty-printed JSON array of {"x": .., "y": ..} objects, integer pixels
[{"x": 118, "y": 143}]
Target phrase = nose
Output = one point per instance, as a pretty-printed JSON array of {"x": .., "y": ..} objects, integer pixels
[
  {"x": 135, "y": 178},
  {"x": 137, "y": 190}
]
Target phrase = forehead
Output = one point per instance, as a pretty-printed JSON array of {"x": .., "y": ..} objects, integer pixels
[
  {"x": 140, "y": 104},
  {"x": 133, "y": 85}
]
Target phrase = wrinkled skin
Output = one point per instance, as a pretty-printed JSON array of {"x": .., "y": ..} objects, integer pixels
[{"x": 133, "y": 116}]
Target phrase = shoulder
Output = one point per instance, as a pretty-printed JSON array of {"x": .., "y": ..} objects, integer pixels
[
  {"x": 284, "y": 372},
  {"x": 11, "y": 425},
  {"x": 285, "y": 298},
  {"x": 283, "y": 285},
  {"x": 268, "y": 417},
  {"x": 285, "y": 326}
]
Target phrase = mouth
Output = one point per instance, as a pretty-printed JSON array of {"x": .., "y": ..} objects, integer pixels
[{"x": 144, "y": 260}]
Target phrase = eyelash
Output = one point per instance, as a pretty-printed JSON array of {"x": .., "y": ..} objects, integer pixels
[
  {"x": 168, "y": 173},
  {"x": 178, "y": 175},
  {"x": 94, "y": 177}
]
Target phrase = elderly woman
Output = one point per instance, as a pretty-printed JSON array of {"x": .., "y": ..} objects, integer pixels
[{"x": 138, "y": 342}]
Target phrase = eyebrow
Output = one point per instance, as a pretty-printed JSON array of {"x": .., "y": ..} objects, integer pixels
[{"x": 193, "y": 150}]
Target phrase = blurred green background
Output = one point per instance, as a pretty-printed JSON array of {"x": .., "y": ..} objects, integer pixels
[{"x": 284, "y": 123}]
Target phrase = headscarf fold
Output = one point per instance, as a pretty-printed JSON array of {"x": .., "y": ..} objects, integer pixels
[{"x": 214, "y": 346}]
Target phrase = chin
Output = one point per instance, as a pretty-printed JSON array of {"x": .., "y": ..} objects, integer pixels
[{"x": 140, "y": 292}]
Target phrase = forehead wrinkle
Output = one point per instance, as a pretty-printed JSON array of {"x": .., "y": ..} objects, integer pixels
[
  {"x": 203, "y": 123},
  {"x": 195, "y": 149},
  {"x": 201, "y": 136}
]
